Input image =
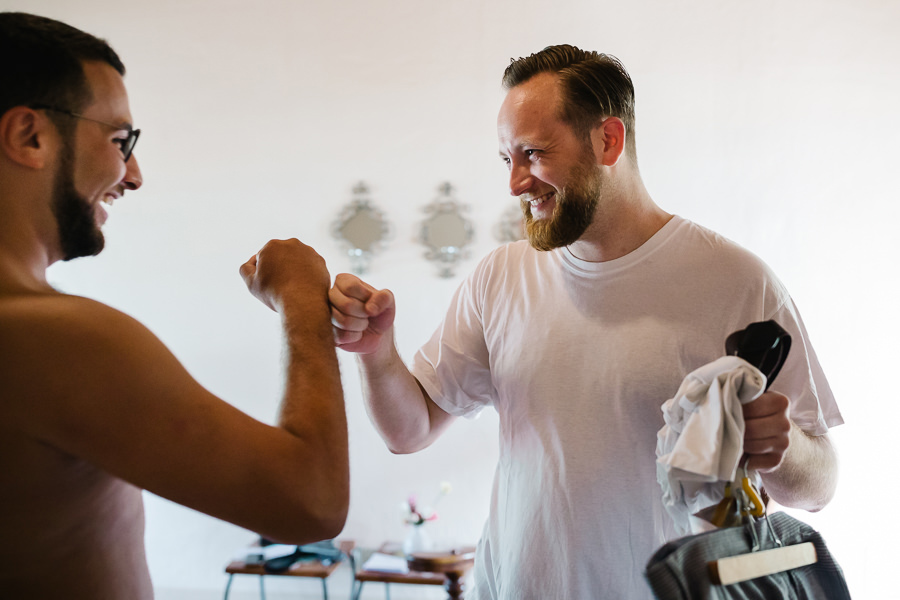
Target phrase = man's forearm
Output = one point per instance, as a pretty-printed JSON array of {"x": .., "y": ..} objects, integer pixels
[
  {"x": 807, "y": 477},
  {"x": 312, "y": 410},
  {"x": 396, "y": 404}
]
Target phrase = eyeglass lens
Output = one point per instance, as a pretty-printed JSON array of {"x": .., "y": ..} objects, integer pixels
[{"x": 129, "y": 143}]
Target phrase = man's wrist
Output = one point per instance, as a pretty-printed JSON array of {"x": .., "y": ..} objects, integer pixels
[
  {"x": 303, "y": 319},
  {"x": 380, "y": 359}
]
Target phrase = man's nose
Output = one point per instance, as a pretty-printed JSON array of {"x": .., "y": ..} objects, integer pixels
[
  {"x": 520, "y": 180},
  {"x": 133, "y": 178}
]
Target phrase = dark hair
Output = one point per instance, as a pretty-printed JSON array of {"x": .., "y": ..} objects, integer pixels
[
  {"x": 594, "y": 86},
  {"x": 40, "y": 64}
]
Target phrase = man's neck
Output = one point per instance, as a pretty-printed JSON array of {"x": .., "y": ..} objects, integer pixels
[
  {"x": 29, "y": 241},
  {"x": 24, "y": 259},
  {"x": 22, "y": 277},
  {"x": 624, "y": 221}
]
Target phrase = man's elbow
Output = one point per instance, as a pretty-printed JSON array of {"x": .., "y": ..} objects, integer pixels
[
  {"x": 324, "y": 521},
  {"x": 817, "y": 502},
  {"x": 332, "y": 514},
  {"x": 811, "y": 499},
  {"x": 827, "y": 492},
  {"x": 330, "y": 526},
  {"x": 319, "y": 503},
  {"x": 406, "y": 446},
  {"x": 811, "y": 486},
  {"x": 407, "y": 442},
  {"x": 827, "y": 475}
]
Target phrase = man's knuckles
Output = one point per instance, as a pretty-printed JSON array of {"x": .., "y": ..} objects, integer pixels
[
  {"x": 770, "y": 403},
  {"x": 352, "y": 286},
  {"x": 381, "y": 301},
  {"x": 349, "y": 323},
  {"x": 774, "y": 401},
  {"x": 343, "y": 336}
]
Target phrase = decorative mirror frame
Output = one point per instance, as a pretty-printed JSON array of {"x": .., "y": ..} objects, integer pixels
[
  {"x": 361, "y": 205},
  {"x": 511, "y": 226},
  {"x": 445, "y": 256}
]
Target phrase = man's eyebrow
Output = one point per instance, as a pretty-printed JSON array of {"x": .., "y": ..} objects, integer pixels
[{"x": 529, "y": 143}]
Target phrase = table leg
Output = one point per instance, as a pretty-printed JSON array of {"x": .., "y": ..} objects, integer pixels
[
  {"x": 228, "y": 586},
  {"x": 454, "y": 586},
  {"x": 324, "y": 589},
  {"x": 262, "y": 588}
]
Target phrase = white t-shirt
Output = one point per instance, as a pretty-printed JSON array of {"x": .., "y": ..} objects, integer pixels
[{"x": 577, "y": 359}]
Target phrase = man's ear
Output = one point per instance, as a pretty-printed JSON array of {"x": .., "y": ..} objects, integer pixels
[
  {"x": 25, "y": 137},
  {"x": 608, "y": 139}
]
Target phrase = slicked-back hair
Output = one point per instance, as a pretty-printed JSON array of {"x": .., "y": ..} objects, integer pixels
[
  {"x": 594, "y": 86},
  {"x": 41, "y": 65}
]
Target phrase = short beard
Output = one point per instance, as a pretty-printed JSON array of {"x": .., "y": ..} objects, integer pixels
[
  {"x": 79, "y": 234},
  {"x": 576, "y": 205}
]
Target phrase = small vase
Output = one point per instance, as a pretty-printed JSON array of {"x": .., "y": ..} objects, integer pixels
[{"x": 417, "y": 540}]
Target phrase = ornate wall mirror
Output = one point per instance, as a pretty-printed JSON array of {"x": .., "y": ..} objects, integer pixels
[
  {"x": 511, "y": 226},
  {"x": 361, "y": 228},
  {"x": 446, "y": 232}
]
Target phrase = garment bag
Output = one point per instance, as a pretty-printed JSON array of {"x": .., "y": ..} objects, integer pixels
[{"x": 693, "y": 567}]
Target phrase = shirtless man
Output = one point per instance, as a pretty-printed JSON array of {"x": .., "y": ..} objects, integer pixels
[{"x": 93, "y": 407}]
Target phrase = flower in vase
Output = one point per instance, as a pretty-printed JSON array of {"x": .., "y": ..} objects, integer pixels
[{"x": 416, "y": 514}]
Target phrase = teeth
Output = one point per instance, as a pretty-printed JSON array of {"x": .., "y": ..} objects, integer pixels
[
  {"x": 108, "y": 200},
  {"x": 541, "y": 199}
]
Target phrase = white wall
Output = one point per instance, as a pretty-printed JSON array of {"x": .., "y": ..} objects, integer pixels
[{"x": 774, "y": 122}]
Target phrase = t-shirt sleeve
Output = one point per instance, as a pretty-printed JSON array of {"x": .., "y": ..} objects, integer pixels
[
  {"x": 454, "y": 365},
  {"x": 813, "y": 407}
]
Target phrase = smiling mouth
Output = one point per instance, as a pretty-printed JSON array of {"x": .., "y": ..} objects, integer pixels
[{"x": 535, "y": 202}]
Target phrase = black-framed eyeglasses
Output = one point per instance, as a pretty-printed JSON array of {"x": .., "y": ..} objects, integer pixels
[{"x": 126, "y": 145}]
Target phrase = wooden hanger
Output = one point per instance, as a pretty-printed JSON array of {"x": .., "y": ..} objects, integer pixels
[
  {"x": 744, "y": 500},
  {"x": 742, "y": 567}
]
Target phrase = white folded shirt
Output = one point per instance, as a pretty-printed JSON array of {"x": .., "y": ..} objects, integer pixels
[{"x": 702, "y": 441}]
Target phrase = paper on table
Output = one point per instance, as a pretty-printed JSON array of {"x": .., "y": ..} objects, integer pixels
[{"x": 386, "y": 563}]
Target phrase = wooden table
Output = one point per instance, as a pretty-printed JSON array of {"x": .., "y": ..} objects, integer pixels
[
  {"x": 430, "y": 568},
  {"x": 304, "y": 568}
]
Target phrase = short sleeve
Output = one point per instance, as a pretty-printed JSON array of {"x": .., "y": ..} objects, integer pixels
[
  {"x": 454, "y": 365},
  {"x": 813, "y": 407}
]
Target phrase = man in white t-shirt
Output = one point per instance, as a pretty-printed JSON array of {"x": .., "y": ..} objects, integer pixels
[{"x": 576, "y": 337}]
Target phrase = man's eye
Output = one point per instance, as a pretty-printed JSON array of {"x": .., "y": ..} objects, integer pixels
[
  {"x": 120, "y": 142},
  {"x": 531, "y": 153}
]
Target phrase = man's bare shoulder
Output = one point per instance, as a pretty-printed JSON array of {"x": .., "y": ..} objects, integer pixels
[
  {"x": 51, "y": 327},
  {"x": 60, "y": 349},
  {"x": 94, "y": 383},
  {"x": 50, "y": 313}
]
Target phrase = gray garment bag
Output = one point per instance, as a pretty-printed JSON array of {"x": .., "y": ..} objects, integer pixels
[{"x": 689, "y": 568}]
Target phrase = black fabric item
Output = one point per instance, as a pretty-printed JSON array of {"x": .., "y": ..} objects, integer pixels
[
  {"x": 764, "y": 344},
  {"x": 282, "y": 563},
  {"x": 680, "y": 569},
  {"x": 324, "y": 551}
]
